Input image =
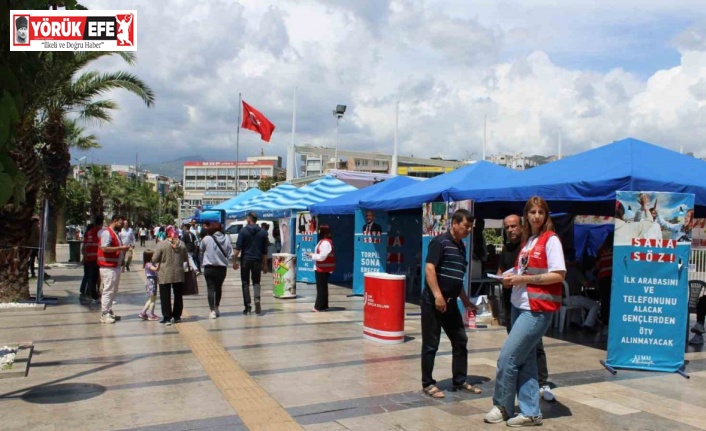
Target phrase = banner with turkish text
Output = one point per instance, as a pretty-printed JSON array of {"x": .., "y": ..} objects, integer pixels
[
  {"x": 307, "y": 239},
  {"x": 650, "y": 288},
  {"x": 370, "y": 247}
]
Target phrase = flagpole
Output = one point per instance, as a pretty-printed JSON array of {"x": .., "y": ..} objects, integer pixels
[
  {"x": 393, "y": 167},
  {"x": 290, "y": 151},
  {"x": 237, "y": 146}
]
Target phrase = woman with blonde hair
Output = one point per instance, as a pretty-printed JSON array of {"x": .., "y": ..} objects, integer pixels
[{"x": 536, "y": 294}]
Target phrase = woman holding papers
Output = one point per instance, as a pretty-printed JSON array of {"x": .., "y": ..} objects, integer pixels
[{"x": 536, "y": 294}]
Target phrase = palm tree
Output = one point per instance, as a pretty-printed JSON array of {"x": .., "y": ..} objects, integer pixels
[
  {"x": 71, "y": 91},
  {"x": 49, "y": 91}
]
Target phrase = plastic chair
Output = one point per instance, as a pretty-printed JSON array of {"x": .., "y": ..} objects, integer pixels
[
  {"x": 697, "y": 288},
  {"x": 566, "y": 307},
  {"x": 696, "y": 291}
]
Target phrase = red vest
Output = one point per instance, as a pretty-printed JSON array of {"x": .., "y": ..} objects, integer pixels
[
  {"x": 328, "y": 264},
  {"x": 605, "y": 263},
  {"x": 91, "y": 243},
  {"x": 542, "y": 297},
  {"x": 110, "y": 259}
]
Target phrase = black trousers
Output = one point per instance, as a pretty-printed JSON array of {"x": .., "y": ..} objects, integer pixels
[
  {"x": 604, "y": 287},
  {"x": 701, "y": 310},
  {"x": 542, "y": 368},
  {"x": 433, "y": 321},
  {"x": 165, "y": 297},
  {"x": 142, "y": 240},
  {"x": 215, "y": 276},
  {"x": 250, "y": 270},
  {"x": 321, "y": 303},
  {"x": 34, "y": 254},
  {"x": 89, "y": 284}
]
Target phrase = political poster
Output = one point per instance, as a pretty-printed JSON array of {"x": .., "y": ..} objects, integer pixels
[
  {"x": 370, "y": 248},
  {"x": 404, "y": 250},
  {"x": 306, "y": 240},
  {"x": 434, "y": 222},
  {"x": 650, "y": 290}
]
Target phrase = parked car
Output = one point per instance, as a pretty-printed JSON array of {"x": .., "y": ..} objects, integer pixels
[{"x": 233, "y": 230}]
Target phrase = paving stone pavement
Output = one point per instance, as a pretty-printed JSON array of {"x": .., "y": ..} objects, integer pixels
[{"x": 290, "y": 368}]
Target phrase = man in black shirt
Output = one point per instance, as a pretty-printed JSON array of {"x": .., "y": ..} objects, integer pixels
[
  {"x": 445, "y": 269},
  {"x": 252, "y": 242},
  {"x": 508, "y": 258}
]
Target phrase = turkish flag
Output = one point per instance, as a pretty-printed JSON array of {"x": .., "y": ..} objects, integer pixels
[{"x": 255, "y": 121}]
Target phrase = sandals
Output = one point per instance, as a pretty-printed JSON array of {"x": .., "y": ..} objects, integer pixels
[
  {"x": 434, "y": 392},
  {"x": 468, "y": 388}
]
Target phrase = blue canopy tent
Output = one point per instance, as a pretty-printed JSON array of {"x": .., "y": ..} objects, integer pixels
[
  {"x": 270, "y": 195},
  {"x": 347, "y": 203},
  {"x": 586, "y": 182},
  {"x": 293, "y": 200},
  {"x": 210, "y": 215},
  {"x": 437, "y": 188}
]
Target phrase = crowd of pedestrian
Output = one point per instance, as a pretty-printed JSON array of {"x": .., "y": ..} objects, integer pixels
[{"x": 532, "y": 265}]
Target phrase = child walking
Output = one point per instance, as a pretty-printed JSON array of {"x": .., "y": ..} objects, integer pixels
[{"x": 150, "y": 286}]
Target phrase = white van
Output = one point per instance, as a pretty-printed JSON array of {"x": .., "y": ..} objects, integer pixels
[{"x": 233, "y": 230}]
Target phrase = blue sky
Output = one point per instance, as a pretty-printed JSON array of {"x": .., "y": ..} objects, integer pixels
[{"x": 597, "y": 70}]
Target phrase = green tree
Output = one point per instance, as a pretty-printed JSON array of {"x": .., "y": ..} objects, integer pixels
[
  {"x": 71, "y": 90},
  {"x": 77, "y": 202},
  {"x": 266, "y": 183},
  {"x": 38, "y": 92}
]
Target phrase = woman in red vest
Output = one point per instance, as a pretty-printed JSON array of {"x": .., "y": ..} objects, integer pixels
[
  {"x": 325, "y": 264},
  {"x": 536, "y": 283}
]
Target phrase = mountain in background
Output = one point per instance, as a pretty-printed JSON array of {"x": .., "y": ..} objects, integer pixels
[{"x": 172, "y": 169}]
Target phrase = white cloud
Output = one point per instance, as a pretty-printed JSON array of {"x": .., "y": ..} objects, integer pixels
[{"x": 448, "y": 65}]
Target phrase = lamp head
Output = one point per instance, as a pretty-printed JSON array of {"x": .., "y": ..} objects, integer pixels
[{"x": 340, "y": 110}]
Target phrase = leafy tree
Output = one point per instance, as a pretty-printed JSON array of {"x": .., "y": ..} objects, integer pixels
[
  {"x": 265, "y": 183},
  {"x": 77, "y": 202},
  {"x": 38, "y": 91}
]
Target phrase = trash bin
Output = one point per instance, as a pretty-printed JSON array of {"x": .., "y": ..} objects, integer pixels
[
  {"x": 74, "y": 251},
  {"x": 383, "y": 307},
  {"x": 284, "y": 274}
]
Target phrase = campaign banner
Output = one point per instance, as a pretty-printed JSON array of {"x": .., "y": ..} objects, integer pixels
[
  {"x": 434, "y": 222},
  {"x": 286, "y": 234},
  {"x": 404, "y": 252},
  {"x": 306, "y": 240},
  {"x": 73, "y": 30},
  {"x": 650, "y": 287},
  {"x": 370, "y": 246}
]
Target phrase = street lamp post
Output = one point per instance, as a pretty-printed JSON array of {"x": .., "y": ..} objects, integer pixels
[{"x": 338, "y": 113}]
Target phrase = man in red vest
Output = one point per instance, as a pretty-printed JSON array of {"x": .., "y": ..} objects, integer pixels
[
  {"x": 91, "y": 242},
  {"x": 109, "y": 256}
]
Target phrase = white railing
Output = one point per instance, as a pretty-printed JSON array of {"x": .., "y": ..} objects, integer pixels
[{"x": 697, "y": 267}]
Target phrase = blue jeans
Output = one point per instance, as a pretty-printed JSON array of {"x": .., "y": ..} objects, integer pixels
[{"x": 517, "y": 363}]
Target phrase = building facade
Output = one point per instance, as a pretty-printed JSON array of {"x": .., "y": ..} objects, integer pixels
[{"x": 210, "y": 183}]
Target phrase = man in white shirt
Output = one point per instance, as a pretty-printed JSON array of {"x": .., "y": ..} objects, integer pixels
[{"x": 127, "y": 237}]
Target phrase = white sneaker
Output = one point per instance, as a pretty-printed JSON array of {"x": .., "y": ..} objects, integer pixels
[
  {"x": 698, "y": 328},
  {"x": 524, "y": 421},
  {"x": 495, "y": 415},
  {"x": 213, "y": 314},
  {"x": 697, "y": 339},
  {"x": 218, "y": 312},
  {"x": 545, "y": 392},
  {"x": 107, "y": 318}
]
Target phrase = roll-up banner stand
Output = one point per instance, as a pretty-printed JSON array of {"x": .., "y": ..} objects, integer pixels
[
  {"x": 306, "y": 239},
  {"x": 370, "y": 247},
  {"x": 650, "y": 288}
]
